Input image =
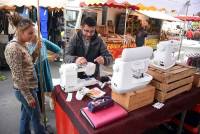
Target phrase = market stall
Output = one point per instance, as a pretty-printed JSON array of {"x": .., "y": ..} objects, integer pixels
[
  {"x": 114, "y": 31},
  {"x": 151, "y": 18},
  {"x": 154, "y": 20},
  {"x": 69, "y": 119},
  {"x": 188, "y": 18}
]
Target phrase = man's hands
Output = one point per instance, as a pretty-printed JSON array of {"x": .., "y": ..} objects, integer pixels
[
  {"x": 99, "y": 60},
  {"x": 81, "y": 60}
]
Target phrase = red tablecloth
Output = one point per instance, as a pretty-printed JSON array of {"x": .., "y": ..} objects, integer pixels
[{"x": 68, "y": 117}]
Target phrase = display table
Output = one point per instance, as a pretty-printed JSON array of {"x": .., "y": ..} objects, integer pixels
[{"x": 70, "y": 121}]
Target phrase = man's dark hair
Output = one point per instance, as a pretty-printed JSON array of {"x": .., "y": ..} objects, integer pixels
[{"x": 89, "y": 21}]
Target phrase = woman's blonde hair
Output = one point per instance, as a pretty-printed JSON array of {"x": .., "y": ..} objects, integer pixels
[{"x": 19, "y": 22}]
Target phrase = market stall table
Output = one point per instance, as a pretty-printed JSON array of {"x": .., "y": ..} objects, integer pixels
[{"x": 69, "y": 119}]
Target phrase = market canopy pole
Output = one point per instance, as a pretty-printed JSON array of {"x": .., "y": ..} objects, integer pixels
[
  {"x": 39, "y": 45},
  {"x": 187, "y": 4},
  {"x": 38, "y": 21},
  {"x": 126, "y": 17}
]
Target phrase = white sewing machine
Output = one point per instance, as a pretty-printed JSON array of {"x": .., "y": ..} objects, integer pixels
[
  {"x": 69, "y": 76},
  {"x": 164, "y": 56},
  {"x": 129, "y": 71}
]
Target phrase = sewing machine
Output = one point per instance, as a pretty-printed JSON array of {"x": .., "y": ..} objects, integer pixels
[
  {"x": 164, "y": 56},
  {"x": 69, "y": 76},
  {"x": 129, "y": 71}
]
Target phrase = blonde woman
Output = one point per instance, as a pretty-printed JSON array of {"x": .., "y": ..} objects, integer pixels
[{"x": 23, "y": 74}]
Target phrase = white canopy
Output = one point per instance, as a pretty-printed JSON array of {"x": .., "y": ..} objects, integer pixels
[
  {"x": 44, "y": 3},
  {"x": 158, "y": 15}
]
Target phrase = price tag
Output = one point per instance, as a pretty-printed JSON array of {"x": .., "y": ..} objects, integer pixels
[{"x": 158, "y": 105}]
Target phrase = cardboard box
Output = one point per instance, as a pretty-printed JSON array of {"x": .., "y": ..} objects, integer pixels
[{"x": 135, "y": 99}]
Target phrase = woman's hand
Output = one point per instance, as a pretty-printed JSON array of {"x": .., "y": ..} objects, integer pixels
[
  {"x": 32, "y": 102},
  {"x": 54, "y": 57}
]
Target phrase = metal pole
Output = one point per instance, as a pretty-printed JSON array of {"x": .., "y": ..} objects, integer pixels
[
  {"x": 182, "y": 31},
  {"x": 41, "y": 69},
  {"x": 126, "y": 17}
]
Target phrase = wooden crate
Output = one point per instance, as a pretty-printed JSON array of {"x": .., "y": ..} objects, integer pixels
[
  {"x": 171, "y": 82},
  {"x": 163, "y": 96},
  {"x": 196, "y": 81},
  {"x": 166, "y": 87},
  {"x": 175, "y": 73},
  {"x": 135, "y": 99}
]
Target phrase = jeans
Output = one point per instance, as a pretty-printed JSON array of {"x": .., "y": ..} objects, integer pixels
[{"x": 29, "y": 114}]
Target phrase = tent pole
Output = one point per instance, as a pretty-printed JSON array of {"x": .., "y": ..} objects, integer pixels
[
  {"x": 182, "y": 31},
  {"x": 126, "y": 17},
  {"x": 41, "y": 69}
]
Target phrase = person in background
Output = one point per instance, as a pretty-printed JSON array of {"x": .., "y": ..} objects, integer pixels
[
  {"x": 163, "y": 36},
  {"x": 189, "y": 34},
  {"x": 23, "y": 74},
  {"x": 140, "y": 36},
  {"x": 43, "y": 60},
  {"x": 129, "y": 39},
  {"x": 196, "y": 35},
  {"x": 86, "y": 46}
]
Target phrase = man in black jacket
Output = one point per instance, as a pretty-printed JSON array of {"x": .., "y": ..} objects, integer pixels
[{"x": 86, "y": 46}]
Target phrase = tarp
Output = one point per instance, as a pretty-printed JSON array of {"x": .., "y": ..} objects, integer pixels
[
  {"x": 189, "y": 18},
  {"x": 44, "y": 3},
  {"x": 171, "y": 6},
  {"x": 111, "y": 3},
  {"x": 158, "y": 15},
  {"x": 154, "y": 8}
]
